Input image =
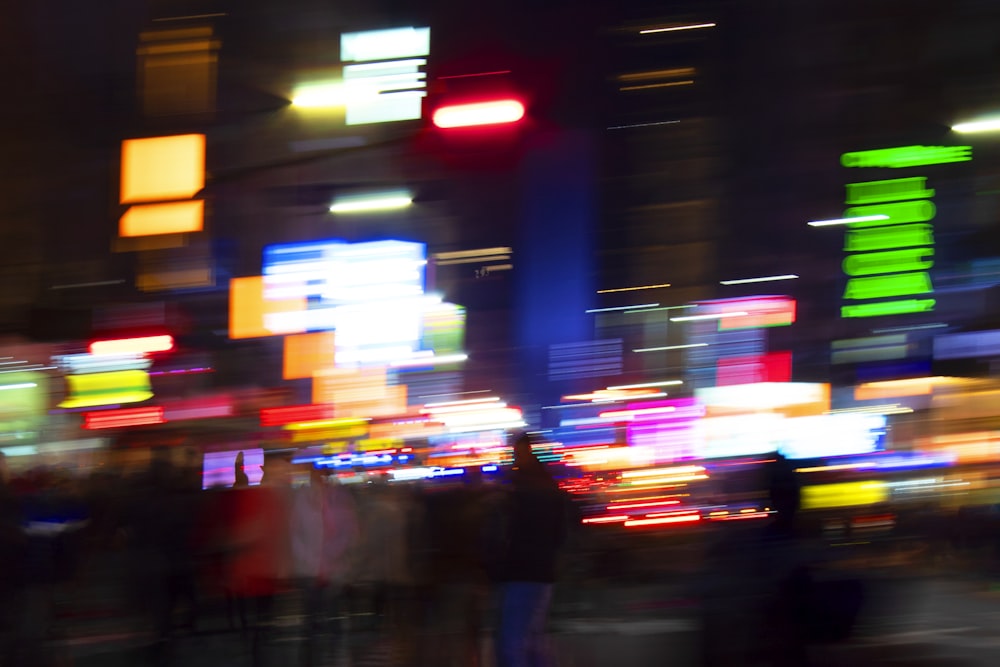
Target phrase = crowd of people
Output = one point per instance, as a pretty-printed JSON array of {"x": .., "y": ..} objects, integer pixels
[{"x": 433, "y": 567}]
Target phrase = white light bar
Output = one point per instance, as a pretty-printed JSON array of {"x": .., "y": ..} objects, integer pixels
[
  {"x": 669, "y": 347},
  {"x": 712, "y": 316},
  {"x": 847, "y": 221},
  {"x": 388, "y": 201},
  {"x": 608, "y": 310},
  {"x": 644, "y": 385},
  {"x": 978, "y": 126},
  {"x": 692, "y": 26},
  {"x": 765, "y": 279}
]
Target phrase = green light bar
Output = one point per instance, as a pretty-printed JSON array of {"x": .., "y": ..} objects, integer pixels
[
  {"x": 902, "y": 212},
  {"x": 890, "y": 261},
  {"x": 881, "y": 287},
  {"x": 897, "y": 189},
  {"x": 907, "y": 156},
  {"x": 880, "y": 238},
  {"x": 888, "y": 308}
]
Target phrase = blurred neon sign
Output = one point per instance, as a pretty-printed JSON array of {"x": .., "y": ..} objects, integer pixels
[
  {"x": 892, "y": 234},
  {"x": 907, "y": 156},
  {"x": 384, "y": 81}
]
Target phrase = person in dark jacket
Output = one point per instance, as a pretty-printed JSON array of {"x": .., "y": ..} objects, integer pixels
[{"x": 535, "y": 527}]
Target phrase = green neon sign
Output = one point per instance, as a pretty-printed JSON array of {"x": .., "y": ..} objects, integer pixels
[
  {"x": 902, "y": 307},
  {"x": 897, "y": 189},
  {"x": 889, "y": 261},
  {"x": 907, "y": 156},
  {"x": 882, "y": 287},
  {"x": 898, "y": 213},
  {"x": 880, "y": 238}
]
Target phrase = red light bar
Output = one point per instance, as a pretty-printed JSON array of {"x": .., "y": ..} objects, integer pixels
[
  {"x": 292, "y": 414},
  {"x": 496, "y": 112},
  {"x": 143, "y": 345},
  {"x": 121, "y": 418},
  {"x": 662, "y": 520}
]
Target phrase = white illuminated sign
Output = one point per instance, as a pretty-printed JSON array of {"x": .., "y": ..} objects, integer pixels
[{"x": 384, "y": 81}]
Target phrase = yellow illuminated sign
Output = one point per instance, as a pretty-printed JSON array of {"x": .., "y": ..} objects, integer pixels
[
  {"x": 114, "y": 388},
  {"x": 845, "y": 494}
]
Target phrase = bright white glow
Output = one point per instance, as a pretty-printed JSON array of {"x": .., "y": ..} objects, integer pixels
[
  {"x": 320, "y": 95},
  {"x": 643, "y": 385},
  {"x": 608, "y": 310},
  {"x": 19, "y": 385},
  {"x": 710, "y": 316},
  {"x": 765, "y": 279},
  {"x": 389, "y": 201},
  {"x": 468, "y": 401},
  {"x": 384, "y": 92},
  {"x": 481, "y": 113},
  {"x": 454, "y": 408},
  {"x": 641, "y": 412},
  {"x": 631, "y": 289},
  {"x": 977, "y": 126},
  {"x": 847, "y": 221},
  {"x": 692, "y": 26},
  {"x": 669, "y": 347},
  {"x": 385, "y": 44},
  {"x": 117, "y": 347},
  {"x": 430, "y": 361}
]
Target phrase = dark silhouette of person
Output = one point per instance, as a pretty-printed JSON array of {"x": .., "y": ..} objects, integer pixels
[
  {"x": 535, "y": 527},
  {"x": 241, "y": 479}
]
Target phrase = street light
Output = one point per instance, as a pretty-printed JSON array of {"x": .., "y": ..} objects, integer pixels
[{"x": 978, "y": 126}]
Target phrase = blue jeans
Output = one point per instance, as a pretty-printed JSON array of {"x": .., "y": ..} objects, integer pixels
[{"x": 520, "y": 639}]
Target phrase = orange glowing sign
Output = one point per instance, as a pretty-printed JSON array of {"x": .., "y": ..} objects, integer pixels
[
  {"x": 249, "y": 312},
  {"x": 306, "y": 354},
  {"x": 162, "y": 168},
  {"x": 155, "y": 219},
  {"x": 159, "y": 177}
]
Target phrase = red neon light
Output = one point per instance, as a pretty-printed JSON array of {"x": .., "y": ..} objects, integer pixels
[
  {"x": 121, "y": 418},
  {"x": 295, "y": 413},
  {"x": 682, "y": 518},
  {"x": 771, "y": 367},
  {"x": 496, "y": 112},
  {"x": 143, "y": 345}
]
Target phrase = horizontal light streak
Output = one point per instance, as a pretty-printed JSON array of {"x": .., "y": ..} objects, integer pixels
[
  {"x": 670, "y": 347},
  {"x": 665, "y": 84},
  {"x": 652, "y": 472},
  {"x": 631, "y": 289},
  {"x": 710, "y": 316},
  {"x": 685, "y": 518},
  {"x": 978, "y": 126},
  {"x": 644, "y": 385},
  {"x": 629, "y": 414},
  {"x": 847, "y": 221},
  {"x": 626, "y": 127},
  {"x": 464, "y": 254},
  {"x": 18, "y": 385},
  {"x": 467, "y": 401},
  {"x": 607, "y": 519},
  {"x": 608, "y": 310},
  {"x": 141, "y": 345},
  {"x": 497, "y": 112},
  {"x": 430, "y": 361},
  {"x": 656, "y": 503},
  {"x": 388, "y": 201},
  {"x": 690, "y": 26},
  {"x": 764, "y": 279}
]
